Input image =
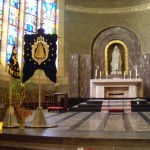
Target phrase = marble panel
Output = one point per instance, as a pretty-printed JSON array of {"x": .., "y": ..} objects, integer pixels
[
  {"x": 74, "y": 76},
  {"x": 144, "y": 73},
  {"x": 85, "y": 76},
  {"x": 80, "y": 75}
]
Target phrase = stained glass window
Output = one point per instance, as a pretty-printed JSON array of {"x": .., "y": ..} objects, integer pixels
[
  {"x": 12, "y": 35},
  {"x": 13, "y": 16},
  {"x": 15, "y": 3},
  {"x": 1, "y": 15},
  {"x": 31, "y": 16},
  {"x": 13, "y": 26},
  {"x": 49, "y": 15}
]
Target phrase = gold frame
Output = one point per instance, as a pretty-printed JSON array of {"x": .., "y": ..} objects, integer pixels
[{"x": 106, "y": 55}]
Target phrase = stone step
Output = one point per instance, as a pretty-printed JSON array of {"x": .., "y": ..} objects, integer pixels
[
  {"x": 105, "y": 105},
  {"x": 116, "y": 105},
  {"x": 94, "y": 101},
  {"x": 84, "y": 104},
  {"x": 76, "y": 108}
]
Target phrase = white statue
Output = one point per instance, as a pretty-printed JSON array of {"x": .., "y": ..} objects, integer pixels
[{"x": 116, "y": 62}]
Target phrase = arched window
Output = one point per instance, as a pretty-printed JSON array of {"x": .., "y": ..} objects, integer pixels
[
  {"x": 31, "y": 8},
  {"x": 49, "y": 16},
  {"x": 34, "y": 12},
  {"x": 13, "y": 26},
  {"x": 1, "y": 15}
]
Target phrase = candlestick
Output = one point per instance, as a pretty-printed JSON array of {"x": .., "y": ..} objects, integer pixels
[
  {"x": 96, "y": 73},
  {"x": 130, "y": 74},
  {"x": 100, "y": 74}
]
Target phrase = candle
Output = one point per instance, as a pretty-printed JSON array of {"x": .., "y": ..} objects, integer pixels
[
  {"x": 96, "y": 73},
  {"x": 136, "y": 72},
  {"x": 124, "y": 73},
  {"x": 100, "y": 73},
  {"x": 130, "y": 73}
]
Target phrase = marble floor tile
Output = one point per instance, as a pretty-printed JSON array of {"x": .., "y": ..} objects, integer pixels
[{"x": 97, "y": 121}]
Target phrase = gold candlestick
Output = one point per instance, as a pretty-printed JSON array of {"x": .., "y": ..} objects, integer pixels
[{"x": 100, "y": 74}]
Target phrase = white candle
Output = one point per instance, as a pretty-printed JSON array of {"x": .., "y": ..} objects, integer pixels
[
  {"x": 96, "y": 73},
  {"x": 136, "y": 72},
  {"x": 124, "y": 73},
  {"x": 130, "y": 73},
  {"x": 100, "y": 73}
]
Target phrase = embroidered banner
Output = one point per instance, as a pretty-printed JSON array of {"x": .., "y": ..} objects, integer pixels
[
  {"x": 14, "y": 70},
  {"x": 40, "y": 53}
]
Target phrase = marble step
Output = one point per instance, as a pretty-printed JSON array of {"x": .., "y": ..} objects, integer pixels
[
  {"x": 76, "y": 108},
  {"x": 94, "y": 101},
  {"x": 85, "y": 105},
  {"x": 116, "y": 105},
  {"x": 105, "y": 105}
]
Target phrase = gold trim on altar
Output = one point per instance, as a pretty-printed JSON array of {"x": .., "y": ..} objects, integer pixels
[{"x": 124, "y": 56}]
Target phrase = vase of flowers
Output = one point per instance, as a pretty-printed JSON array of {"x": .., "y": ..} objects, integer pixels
[
  {"x": 18, "y": 98},
  {"x": 21, "y": 114}
]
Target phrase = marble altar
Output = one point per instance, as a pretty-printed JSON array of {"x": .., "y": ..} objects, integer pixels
[{"x": 114, "y": 88}]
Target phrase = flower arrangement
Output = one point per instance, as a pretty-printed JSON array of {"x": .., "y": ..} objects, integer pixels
[
  {"x": 21, "y": 114},
  {"x": 18, "y": 98}
]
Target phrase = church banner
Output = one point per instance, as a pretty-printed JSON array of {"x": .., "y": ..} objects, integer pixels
[
  {"x": 14, "y": 70},
  {"x": 40, "y": 53}
]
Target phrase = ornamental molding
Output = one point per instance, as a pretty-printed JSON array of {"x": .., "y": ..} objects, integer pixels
[{"x": 108, "y": 10}]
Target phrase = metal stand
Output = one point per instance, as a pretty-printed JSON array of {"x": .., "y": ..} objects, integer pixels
[
  {"x": 39, "y": 119},
  {"x": 10, "y": 119}
]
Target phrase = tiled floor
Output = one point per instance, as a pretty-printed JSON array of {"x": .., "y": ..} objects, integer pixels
[
  {"x": 97, "y": 121},
  {"x": 79, "y": 130}
]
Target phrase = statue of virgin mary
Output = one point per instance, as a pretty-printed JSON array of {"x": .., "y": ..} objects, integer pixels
[{"x": 116, "y": 62}]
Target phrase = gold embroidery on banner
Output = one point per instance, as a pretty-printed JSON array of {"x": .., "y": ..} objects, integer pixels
[{"x": 40, "y": 52}]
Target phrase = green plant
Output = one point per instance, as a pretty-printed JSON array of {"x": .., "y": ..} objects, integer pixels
[
  {"x": 3, "y": 107},
  {"x": 18, "y": 92}
]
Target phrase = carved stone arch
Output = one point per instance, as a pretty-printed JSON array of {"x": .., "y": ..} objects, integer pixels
[{"x": 125, "y": 38}]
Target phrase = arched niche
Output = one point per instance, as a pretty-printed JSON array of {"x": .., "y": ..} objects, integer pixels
[
  {"x": 108, "y": 56},
  {"x": 105, "y": 40}
]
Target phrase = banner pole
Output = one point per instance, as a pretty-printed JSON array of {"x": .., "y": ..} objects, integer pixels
[
  {"x": 39, "y": 87},
  {"x": 10, "y": 92}
]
